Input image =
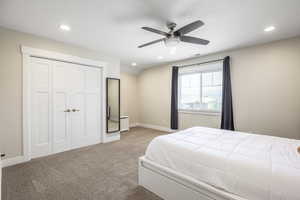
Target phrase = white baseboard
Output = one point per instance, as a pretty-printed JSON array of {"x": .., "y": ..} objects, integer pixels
[
  {"x": 155, "y": 127},
  {"x": 13, "y": 161},
  {"x": 133, "y": 125},
  {"x": 112, "y": 137}
]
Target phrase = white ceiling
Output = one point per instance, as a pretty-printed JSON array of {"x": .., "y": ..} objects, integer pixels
[{"x": 113, "y": 26}]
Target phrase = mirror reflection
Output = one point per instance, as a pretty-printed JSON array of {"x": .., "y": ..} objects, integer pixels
[{"x": 113, "y": 105}]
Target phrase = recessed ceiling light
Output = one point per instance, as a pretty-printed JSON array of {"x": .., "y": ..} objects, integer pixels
[
  {"x": 269, "y": 28},
  {"x": 133, "y": 64},
  {"x": 64, "y": 27},
  {"x": 159, "y": 57}
]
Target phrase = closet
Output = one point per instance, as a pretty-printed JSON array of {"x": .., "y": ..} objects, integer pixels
[{"x": 65, "y": 106}]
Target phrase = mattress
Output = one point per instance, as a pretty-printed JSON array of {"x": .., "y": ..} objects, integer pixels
[{"x": 254, "y": 167}]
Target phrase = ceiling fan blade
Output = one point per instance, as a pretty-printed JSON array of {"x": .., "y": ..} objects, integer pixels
[
  {"x": 189, "y": 28},
  {"x": 149, "y": 43},
  {"x": 193, "y": 40},
  {"x": 156, "y": 31}
]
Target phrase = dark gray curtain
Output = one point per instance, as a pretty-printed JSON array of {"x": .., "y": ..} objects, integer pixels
[
  {"x": 174, "y": 99},
  {"x": 227, "y": 111}
]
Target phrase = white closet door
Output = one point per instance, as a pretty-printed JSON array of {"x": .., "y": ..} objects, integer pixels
[
  {"x": 61, "y": 133},
  {"x": 41, "y": 107},
  {"x": 77, "y": 104},
  {"x": 84, "y": 104},
  {"x": 66, "y": 101}
]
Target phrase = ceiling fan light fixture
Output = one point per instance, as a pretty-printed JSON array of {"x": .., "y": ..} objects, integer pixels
[
  {"x": 173, "y": 50},
  {"x": 171, "y": 42}
]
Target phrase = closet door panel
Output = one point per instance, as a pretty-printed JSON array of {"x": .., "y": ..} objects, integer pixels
[
  {"x": 41, "y": 105},
  {"x": 77, "y": 104},
  {"x": 77, "y": 119},
  {"x": 92, "y": 119},
  {"x": 76, "y": 77},
  {"x": 93, "y": 80},
  {"x": 41, "y": 120},
  {"x": 61, "y": 138},
  {"x": 61, "y": 134}
]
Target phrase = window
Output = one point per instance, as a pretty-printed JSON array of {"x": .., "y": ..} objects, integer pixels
[{"x": 200, "y": 88}]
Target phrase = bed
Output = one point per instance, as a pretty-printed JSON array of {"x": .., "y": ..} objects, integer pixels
[{"x": 205, "y": 164}]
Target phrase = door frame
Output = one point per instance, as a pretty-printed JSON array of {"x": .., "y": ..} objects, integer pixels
[{"x": 27, "y": 53}]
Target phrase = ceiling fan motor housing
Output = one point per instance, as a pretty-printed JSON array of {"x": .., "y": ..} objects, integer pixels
[{"x": 171, "y": 25}]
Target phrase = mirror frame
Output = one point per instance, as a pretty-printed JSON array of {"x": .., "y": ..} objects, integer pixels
[{"x": 119, "y": 128}]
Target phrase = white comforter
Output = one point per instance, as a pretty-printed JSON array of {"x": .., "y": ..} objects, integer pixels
[{"x": 255, "y": 167}]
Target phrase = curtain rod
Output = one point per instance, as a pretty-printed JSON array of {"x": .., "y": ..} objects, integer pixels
[{"x": 201, "y": 63}]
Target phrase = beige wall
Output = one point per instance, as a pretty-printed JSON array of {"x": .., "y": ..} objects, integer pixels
[
  {"x": 129, "y": 99},
  {"x": 154, "y": 94},
  {"x": 265, "y": 85},
  {"x": 11, "y": 81}
]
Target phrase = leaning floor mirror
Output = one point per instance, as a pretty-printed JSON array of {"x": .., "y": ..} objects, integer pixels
[{"x": 113, "y": 105}]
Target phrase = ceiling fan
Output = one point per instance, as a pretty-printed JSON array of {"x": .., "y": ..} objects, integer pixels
[{"x": 172, "y": 38}]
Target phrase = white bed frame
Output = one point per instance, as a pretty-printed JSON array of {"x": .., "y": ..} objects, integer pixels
[{"x": 171, "y": 185}]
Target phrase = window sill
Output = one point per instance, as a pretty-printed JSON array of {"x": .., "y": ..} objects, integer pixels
[{"x": 200, "y": 112}]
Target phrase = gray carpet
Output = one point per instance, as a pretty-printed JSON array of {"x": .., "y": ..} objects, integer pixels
[{"x": 103, "y": 171}]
